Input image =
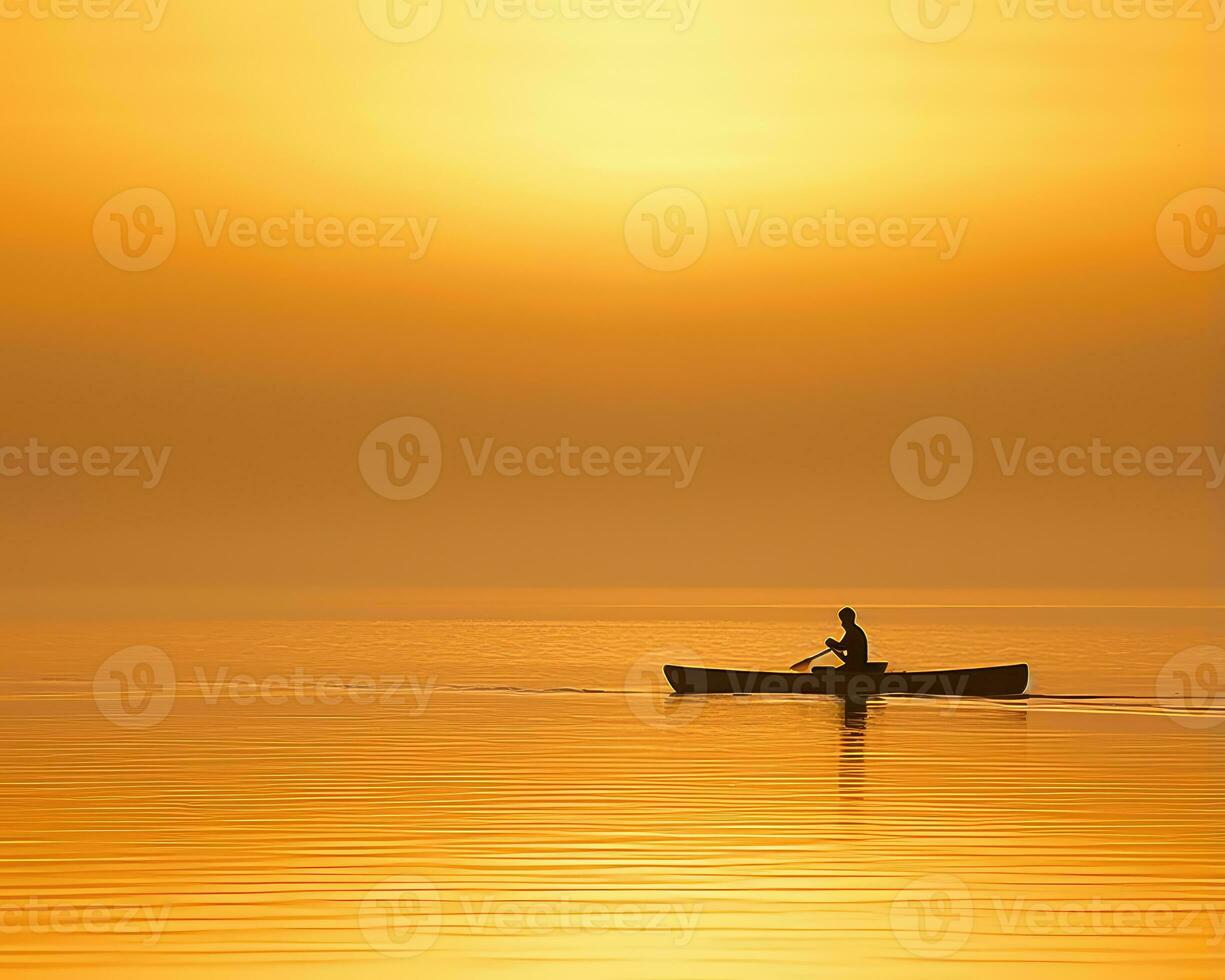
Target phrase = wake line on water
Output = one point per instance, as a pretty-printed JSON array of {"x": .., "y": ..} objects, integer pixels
[
  {"x": 505, "y": 689},
  {"x": 1137, "y": 699}
]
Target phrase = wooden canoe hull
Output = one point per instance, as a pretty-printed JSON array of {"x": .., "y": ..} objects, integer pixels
[{"x": 1009, "y": 681}]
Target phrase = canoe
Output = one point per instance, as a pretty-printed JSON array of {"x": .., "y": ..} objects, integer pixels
[{"x": 1008, "y": 681}]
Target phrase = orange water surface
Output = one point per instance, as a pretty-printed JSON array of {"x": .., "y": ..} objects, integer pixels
[{"x": 519, "y": 798}]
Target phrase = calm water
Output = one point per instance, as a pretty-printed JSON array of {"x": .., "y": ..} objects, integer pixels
[{"x": 513, "y": 799}]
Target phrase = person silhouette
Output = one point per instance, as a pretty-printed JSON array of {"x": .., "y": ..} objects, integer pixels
[{"x": 852, "y": 649}]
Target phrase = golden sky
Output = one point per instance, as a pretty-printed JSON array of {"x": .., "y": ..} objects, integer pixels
[{"x": 517, "y": 149}]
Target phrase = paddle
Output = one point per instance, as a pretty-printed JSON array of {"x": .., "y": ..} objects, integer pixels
[{"x": 804, "y": 663}]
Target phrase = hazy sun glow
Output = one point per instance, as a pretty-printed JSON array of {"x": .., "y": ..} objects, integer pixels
[{"x": 1053, "y": 144}]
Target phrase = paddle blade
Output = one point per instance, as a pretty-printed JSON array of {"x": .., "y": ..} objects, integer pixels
[{"x": 804, "y": 663}]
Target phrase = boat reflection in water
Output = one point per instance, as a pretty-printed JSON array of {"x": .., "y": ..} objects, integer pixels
[
  {"x": 1008, "y": 724},
  {"x": 852, "y": 766}
]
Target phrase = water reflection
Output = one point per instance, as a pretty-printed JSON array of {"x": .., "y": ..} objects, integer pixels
[
  {"x": 852, "y": 745},
  {"x": 261, "y": 827}
]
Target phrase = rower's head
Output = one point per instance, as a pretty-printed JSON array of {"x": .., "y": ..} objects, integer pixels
[{"x": 847, "y": 616}]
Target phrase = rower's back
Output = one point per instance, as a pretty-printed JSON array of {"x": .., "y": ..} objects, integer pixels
[{"x": 854, "y": 641}]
